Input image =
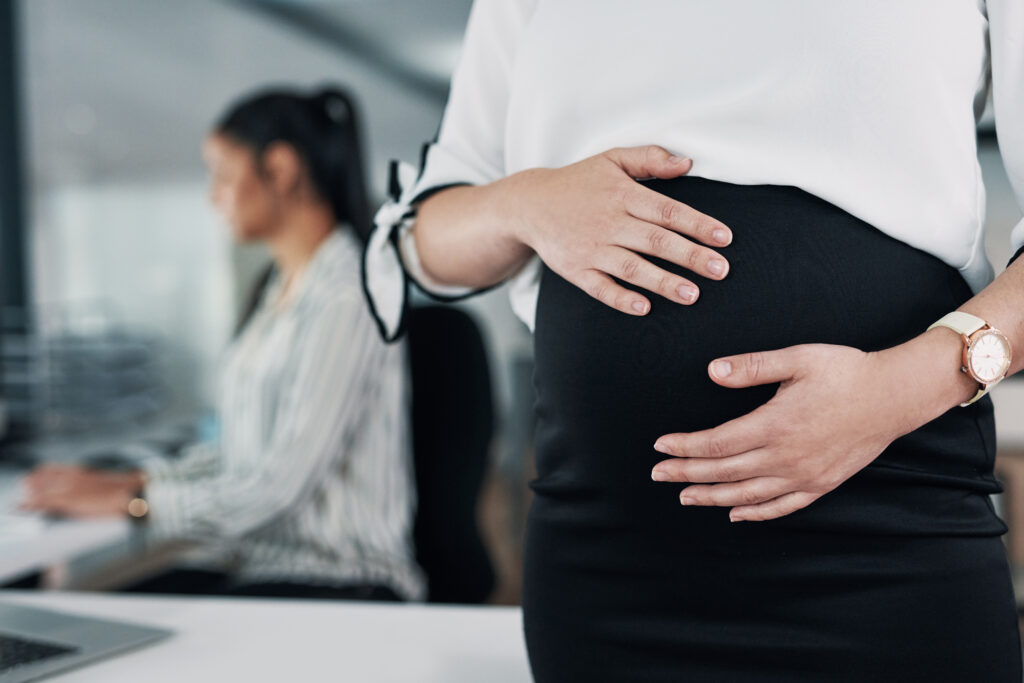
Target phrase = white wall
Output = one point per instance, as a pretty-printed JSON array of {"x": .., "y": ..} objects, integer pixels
[
  {"x": 119, "y": 96},
  {"x": 125, "y": 89}
]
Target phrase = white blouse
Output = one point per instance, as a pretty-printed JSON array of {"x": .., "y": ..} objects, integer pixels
[{"x": 869, "y": 104}]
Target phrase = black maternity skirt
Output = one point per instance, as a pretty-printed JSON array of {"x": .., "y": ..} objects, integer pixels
[{"x": 899, "y": 574}]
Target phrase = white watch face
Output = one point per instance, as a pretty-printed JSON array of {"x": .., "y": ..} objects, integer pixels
[{"x": 989, "y": 357}]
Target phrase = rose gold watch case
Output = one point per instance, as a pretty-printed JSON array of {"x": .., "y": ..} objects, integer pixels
[{"x": 970, "y": 341}]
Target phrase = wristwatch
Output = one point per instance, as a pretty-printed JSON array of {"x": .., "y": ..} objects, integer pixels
[
  {"x": 138, "y": 506},
  {"x": 986, "y": 354}
]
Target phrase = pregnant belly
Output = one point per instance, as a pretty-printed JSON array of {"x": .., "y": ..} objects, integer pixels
[{"x": 801, "y": 271}]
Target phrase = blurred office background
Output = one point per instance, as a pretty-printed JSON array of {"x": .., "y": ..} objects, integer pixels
[
  {"x": 121, "y": 284},
  {"x": 119, "y": 278}
]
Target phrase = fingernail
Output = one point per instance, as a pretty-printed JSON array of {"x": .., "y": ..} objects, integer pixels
[
  {"x": 685, "y": 499},
  {"x": 735, "y": 518},
  {"x": 640, "y": 306},
  {"x": 716, "y": 266},
  {"x": 687, "y": 292},
  {"x": 721, "y": 368},
  {"x": 659, "y": 475},
  {"x": 721, "y": 236},
  {"x": 660, "y": 447},
  {"x": 676, "y": 159}
]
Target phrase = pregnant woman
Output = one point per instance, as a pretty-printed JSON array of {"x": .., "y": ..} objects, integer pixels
[{"x": 736, "y": 230}]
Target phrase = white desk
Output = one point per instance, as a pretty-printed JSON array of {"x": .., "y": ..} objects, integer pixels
[
  {"x": 65, "y": 542},
  {"x": 254, "y": 640},
  {"x": 93, "y": 544},
  {"x": 23, "y": 550}
]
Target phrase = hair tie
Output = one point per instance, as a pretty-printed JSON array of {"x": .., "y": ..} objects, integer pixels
[{"x": 336, "y": 109}]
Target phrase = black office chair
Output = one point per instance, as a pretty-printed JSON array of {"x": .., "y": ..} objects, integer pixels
[{"x": 452, "y": 426}]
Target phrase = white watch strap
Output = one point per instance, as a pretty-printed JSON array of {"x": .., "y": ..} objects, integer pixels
[
  {"x": 981, "y": 392},
  {"x": 964, "y": 323}
]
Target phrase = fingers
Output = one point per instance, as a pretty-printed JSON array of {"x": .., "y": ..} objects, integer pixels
[
  {"x": 649, "y": 161},
  {"x": 71, "y": 504},
  {"x": 759, "y": 367},
  {"x": 630, "y": 267},
  {"x": 43, "y": 472},
  {"x": 777, "y": 507},
  {"x": 738, "y": 435},
  {"x": 655, "y": 208},
  {"x": 657, "y": 228},
  {"x": 48, "y": 477},
  {"x": 51, "y": 471},
  {"x": 607, "y": 291},
  {"x": 665, "y": 244},
  {"x": 39, "y": 479},
  {"x": 30, "y": 503},
  {"x": 707, "y": 470},
  {"x": 59, "y": 479},
  {"x": 749, "y": 492}
]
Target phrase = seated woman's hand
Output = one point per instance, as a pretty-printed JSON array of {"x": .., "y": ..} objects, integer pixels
[
  {"x": 76, "y": 491},
  {"x": 836, "y": 409},
  {"x": 591, "y": 220}
]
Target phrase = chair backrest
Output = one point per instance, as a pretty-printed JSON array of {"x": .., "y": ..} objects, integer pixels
[{"x": 452, "y": 426}]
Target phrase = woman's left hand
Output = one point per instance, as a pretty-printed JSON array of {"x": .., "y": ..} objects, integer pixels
[
  {"x": 76, "y": 491},
  {"x": 835, "y": 411}
]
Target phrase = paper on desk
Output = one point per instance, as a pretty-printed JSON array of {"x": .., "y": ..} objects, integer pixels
[{"x": 14, "y": 525}]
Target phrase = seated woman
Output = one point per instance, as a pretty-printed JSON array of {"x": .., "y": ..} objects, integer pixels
[{"x": 309, "y": 490}]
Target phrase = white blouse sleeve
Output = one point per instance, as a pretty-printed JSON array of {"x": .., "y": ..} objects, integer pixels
[
  {"x": 1006, "y": 40},
  {"x": 469, "y": 150}
]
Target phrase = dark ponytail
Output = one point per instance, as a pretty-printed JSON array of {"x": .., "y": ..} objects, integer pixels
[{"x": 324, "y": 129}]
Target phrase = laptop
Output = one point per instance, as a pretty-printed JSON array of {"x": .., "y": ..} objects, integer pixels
[{"x": 35, "y": 642}]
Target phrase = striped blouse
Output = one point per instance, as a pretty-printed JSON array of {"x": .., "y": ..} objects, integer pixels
[{"x": 311, "y": 479}]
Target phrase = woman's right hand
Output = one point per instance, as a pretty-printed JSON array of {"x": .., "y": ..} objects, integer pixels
[
  {"x": 591, "y": 220},
  {"x": 77, "y": 491}
]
